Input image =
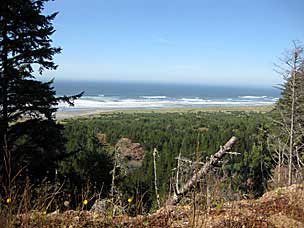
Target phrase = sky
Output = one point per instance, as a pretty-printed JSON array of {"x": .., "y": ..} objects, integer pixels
[{"x": 221, "y": 42}]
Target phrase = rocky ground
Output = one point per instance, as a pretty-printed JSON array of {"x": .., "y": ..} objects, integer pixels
[{"x": 283, "y": 207}]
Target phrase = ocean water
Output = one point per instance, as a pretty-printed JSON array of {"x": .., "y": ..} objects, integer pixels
[{"x": 127, "y": 95}]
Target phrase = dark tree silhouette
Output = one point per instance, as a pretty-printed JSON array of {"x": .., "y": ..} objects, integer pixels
[{"x": 27, "y": 106}]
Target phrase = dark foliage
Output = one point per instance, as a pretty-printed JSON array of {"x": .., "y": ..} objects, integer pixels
[{"x": 29, "y": 137}]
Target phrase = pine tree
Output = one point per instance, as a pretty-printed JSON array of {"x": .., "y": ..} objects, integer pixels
[{"x": 25, "y": 52}]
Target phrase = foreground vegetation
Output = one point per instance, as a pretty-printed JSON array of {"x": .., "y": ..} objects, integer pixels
[{"x": 282, "y": 207}]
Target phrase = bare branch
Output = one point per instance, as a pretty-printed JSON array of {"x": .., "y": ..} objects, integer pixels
[{"x": 214, "y": 159}]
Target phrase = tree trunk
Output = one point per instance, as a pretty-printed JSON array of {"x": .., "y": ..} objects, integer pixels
[
  {"x": 155, "y": 177},
  {"x": 4, "y": 150},
  {"x": 293, "y": 97}
]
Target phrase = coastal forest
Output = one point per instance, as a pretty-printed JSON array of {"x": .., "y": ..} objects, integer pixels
[
  {"x": 172, "y": 134},
  {"x": 131, "y": 163}
]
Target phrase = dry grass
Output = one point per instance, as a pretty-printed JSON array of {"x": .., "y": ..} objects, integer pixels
[{"x": 283, "y": 207}]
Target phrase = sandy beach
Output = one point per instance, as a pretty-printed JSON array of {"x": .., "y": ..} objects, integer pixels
[
  {"x": 78, "y": 113},
  {"x": 60, "y": 115}
]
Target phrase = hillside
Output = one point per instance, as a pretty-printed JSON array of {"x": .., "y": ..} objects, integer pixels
[{"x": 283, "y": 207}]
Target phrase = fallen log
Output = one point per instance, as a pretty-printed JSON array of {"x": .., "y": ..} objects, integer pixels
[{"x": 208, "y": 165}]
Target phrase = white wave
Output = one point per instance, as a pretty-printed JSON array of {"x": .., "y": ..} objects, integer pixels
[
  {"x": 99, "y": 98},
  {"x": 85, "y": 103},
  {"x": 252, "y": 97},
  {"x": 127, "y": 103},
  {"x": 153, "y": 97},
  {"x": 195, "y": 100}
]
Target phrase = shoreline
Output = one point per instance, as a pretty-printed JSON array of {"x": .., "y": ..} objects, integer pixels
[{"x": 61, "y": 115}]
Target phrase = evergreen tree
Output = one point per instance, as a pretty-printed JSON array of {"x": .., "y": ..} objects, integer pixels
[{"x": 27, "y": 104}]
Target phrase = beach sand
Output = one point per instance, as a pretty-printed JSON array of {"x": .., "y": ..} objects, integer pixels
[{"x": 95, "y": 112}]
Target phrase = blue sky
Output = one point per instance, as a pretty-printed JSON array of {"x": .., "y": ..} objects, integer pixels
[{"x": 232, "y": 42}]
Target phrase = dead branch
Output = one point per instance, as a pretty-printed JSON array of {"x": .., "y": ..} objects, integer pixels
[
  {"x": 155, "y": 177},
  {"x": 177, "y": 173},
  {"x": 209, "y": 164},
  {"x": 187, "y": 161}
]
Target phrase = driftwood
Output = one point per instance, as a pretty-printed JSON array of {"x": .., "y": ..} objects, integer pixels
[{"x": 214, "y": 159}]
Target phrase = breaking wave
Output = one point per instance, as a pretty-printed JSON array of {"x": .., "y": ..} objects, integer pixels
[
  {"x": 153, "y": 97},
  {"x": 252, "y": 97},
  {"x": 146, "y": 102}
]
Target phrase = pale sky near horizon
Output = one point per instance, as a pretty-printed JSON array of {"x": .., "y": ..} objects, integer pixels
[{"x": 233, "y": 42}]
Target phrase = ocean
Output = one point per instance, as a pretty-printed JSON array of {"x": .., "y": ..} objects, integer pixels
[{"x": 127, "y": 95}]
